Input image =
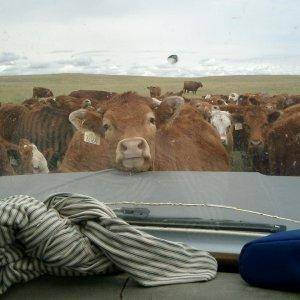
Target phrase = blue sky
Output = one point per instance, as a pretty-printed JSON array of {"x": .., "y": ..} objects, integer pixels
[{"x": 216, "y": 37}]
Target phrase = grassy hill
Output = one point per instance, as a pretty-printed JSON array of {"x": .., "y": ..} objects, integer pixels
[{"x": 18, "y": 88}]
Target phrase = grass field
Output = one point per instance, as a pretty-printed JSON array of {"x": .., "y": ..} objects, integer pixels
[{"x": 18, "y": 88}]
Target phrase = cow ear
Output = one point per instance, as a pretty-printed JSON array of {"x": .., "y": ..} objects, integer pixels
[
  {"x": 87, "y": 120},
  {"x": 273, "y": 116},
  {"x": 237, "y": 118},
  {"x": 169, "y": 110},
  {"x": 25, "y": 147},
  {"x": 77, "y": 118}
]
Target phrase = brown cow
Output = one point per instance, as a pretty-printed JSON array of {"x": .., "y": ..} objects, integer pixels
[
  {"x": 37, "y": 102},
  {"x": 168, "y": 94},
  {"x": 92, "y": 94},
  {"x": 10, "y": 118},
  {"x": 204, "y": 108},
  {"x": 217, "y": 100},
  {"x": 131, "y": 136},
  {"x": 288, "y": 101},
  {"x": 87, "y": 151},
  {"x": 32, "y": 160},
  {"x": 250, "y": 99},
  {"x": 21, "y": 159},
  {"x": 191, "y": 86},
  {"x": 155, "y": 91},
  {"x": 31, "y": 102},
  {"x": 283, "y": 141},
  {"x": 251, "y": 124},
  {"x": 291, "y": 110},
  {"x": 5, "y": 164},
  {"x": 48, "y": 127},
  {"x": 40, "y": 92}
]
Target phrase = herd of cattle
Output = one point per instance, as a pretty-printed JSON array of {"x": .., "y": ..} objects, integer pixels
[{"x": 92, "y": 130}]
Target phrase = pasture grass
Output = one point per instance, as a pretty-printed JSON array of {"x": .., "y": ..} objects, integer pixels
[{"x": 17, "y": 88}]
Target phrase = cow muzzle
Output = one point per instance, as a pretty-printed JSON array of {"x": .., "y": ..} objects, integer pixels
[
  {"x": 133, "y": 154},
  {"x": 224, "y": 139},
  {"x": 256, "y": 143},
  {"x": 257, "y": 146}
]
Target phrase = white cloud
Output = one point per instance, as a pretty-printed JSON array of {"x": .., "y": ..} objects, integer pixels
[
  {"x": 8, "y": 58},
  {"x": 80, "y": 61},
  {"x": 134, "y": 37}
]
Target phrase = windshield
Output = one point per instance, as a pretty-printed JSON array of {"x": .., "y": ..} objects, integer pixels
[{"x": 183, "y": 110}]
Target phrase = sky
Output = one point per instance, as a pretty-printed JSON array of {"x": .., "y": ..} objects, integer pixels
[{"x": 210, "y": 37}]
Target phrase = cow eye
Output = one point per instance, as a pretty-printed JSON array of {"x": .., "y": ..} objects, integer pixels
[
  {"x": 152, "y": 120},
  {"x": 106, "y": 127}
]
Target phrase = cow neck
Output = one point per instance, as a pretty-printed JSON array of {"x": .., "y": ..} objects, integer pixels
[{"x": 154, "y": 155}]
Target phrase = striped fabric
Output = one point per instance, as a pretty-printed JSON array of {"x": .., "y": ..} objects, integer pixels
[{"x": 70, "y": 235}]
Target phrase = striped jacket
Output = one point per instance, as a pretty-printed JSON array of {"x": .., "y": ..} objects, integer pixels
[{"x": 78, "y": 235}]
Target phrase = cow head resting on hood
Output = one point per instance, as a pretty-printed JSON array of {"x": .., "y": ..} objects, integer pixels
[{"x": 129, "y": 124}]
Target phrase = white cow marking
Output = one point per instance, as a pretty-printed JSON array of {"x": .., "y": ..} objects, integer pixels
[
  {"x": 39, "y": 162},
  {"x": 221, "y": 121},
  {"x": 234, "y": 97}
]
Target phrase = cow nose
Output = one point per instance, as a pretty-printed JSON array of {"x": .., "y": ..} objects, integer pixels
[
  {"x": 256, "y": 142},
  {"x": 132, "y": 147},
  {"x": 223, "y": 140}
]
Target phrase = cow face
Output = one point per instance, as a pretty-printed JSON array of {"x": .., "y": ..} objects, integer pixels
[
  {"x": 130, "y": 131},
  {"x": 270, "y": 107},
  {"x": 233, "y": 98},
  {"x": 30, "y": 154},
  {"x": 129, "y": 125},
  {"x": 222, "y": 122},
  {"x": 155, "y": 91},
  {"x": 255, "y": 121}
]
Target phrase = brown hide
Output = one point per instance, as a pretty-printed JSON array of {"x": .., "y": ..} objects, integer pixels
[
  {"x": 167, "y": 94},
  {"x": 5, "y": 166},
  {"x": 255, "y": 121},
  {"x": 155, "y": 91},
  {"x": 82, "y": 156},
  {"x": 190, "y": 144},
  {"x": 217, "y": 100},
  {"x": 129, "y": 116},
  {"x": 291, "y": 110},
  {"x": 191, "y": 86},
  {"x": 250, "y": 99},
  {"x": 40, "y": 92},
  {"x": 203, "y": 107},
  {"x": 11, "y": 116},
  {"x": 23, "y": 153},
  {"x": 283, "y": 142},
  {"x": 92, "y": 94},
  {"x": 46, "y": 126}
]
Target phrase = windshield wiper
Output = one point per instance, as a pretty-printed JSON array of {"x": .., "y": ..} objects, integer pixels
[{"x": 140, "y": 217}]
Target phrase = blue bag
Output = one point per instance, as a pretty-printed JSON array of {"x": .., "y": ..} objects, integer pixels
[{"x": 272, "y": 261}]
